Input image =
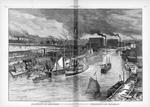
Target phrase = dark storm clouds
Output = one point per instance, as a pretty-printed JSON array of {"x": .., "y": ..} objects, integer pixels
[{"x": 124, "y": 21}]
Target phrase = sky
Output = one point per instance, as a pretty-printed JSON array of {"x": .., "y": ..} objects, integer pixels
[{"x": 59, "y": 23}]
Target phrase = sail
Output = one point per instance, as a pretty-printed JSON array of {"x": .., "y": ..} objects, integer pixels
[
  {"x": 93, "y": 88},
  {"x": 58, "y": 65},
  {"x": 60, "y": 62}
]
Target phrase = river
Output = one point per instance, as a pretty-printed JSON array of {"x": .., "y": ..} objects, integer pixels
[{"x": 63, "y": 88}]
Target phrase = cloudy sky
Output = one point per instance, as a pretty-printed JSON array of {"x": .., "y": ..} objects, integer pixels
[{"x": 59, "y": 22}]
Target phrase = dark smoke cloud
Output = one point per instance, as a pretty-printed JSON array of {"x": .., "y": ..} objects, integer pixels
[{"x": 109, "y": 21}]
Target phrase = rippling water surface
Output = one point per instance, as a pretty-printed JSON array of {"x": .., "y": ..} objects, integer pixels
[
  {"x": 59, "y": 89},
  {"x": 63, "y": 88}
]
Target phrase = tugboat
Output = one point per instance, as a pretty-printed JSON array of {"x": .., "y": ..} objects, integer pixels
[
  {"x": 106, "y": 66},
  {"x": 74, "y": 71},
  {"x": 75, "y": 68}
]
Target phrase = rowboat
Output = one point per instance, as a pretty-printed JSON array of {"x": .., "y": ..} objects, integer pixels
[{"x": 41, "y": 78}]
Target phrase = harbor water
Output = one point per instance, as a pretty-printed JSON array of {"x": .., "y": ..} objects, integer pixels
[{"x": 63, "y": 88}]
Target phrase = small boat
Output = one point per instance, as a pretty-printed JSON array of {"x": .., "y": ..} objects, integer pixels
[
  {"x": 42, "y": 77},
  {"x": 93, "y": 89},
  {"x": 16, "y": 72},
  {"x": 105, "y": 68}
]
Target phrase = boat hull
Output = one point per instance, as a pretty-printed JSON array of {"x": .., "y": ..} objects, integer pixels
[
  {"x": 106, "y": 68},
  {"x": 73, "y": 71}
]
